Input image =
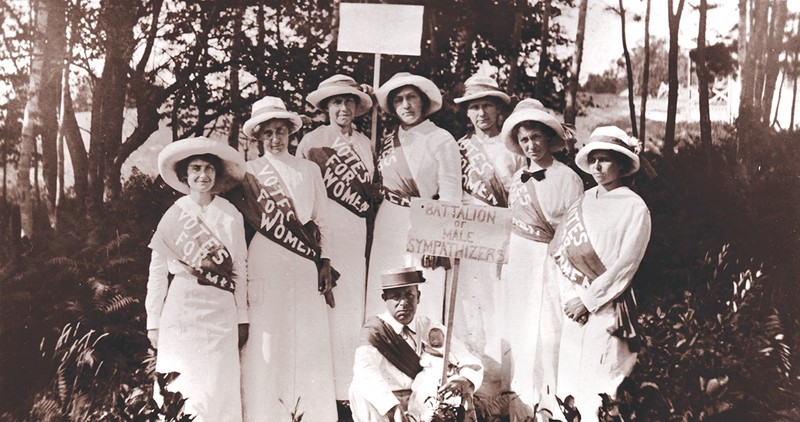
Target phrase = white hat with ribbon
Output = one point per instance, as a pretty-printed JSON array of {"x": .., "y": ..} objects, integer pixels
[
  {"x": 479, "y": 86},
  {"x": 340, "y": 85},
  {"x": 269, "y": 108},
  {"x": 233, "y": 165},
  {"x": 401, "y": 79},
  {"x": 532, "y": 110},
  {"x": 610, "y": 138}
]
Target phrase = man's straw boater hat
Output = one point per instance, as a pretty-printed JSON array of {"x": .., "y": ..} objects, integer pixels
[
  {"x": 478, "y": 86},
  {"x": 532, "y": 110},
  {"x": 233, "y": 165},
  {"x": 401, "y": 79},
  {"x": 401, "y": 277},
  {"x": 340, "y": 85},
  {"x": 269, "y": 108},
  {"x": 610, "y": 138}
]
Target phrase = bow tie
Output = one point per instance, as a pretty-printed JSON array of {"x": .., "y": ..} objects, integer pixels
[{"x": 526, "y": 175}]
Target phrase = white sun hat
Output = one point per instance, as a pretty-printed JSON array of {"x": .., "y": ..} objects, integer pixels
[
  {"x": 532, "y": 110},
  {"x": 479, "y": 86},
  {"x": 340, "y": 85},
  {"x": 233, "y": 165},
  {"x": 401, "y": 79},
  {"x": 610, "y": 138},
  {"x": 269, "y": 108}
]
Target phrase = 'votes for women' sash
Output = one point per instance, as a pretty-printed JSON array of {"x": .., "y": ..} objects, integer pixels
[
  {"x": 186, "y": 238},
  {"x": 528, "y": 219},
  {"x": 397, "y": 185},
  {"x": 478, "y": 176},
  {"x": 392, "y": 346},
  {"x": 346, "y": 177},
  {"x": 579, "y": 262}
]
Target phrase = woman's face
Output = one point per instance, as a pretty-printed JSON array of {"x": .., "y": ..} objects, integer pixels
[
  {"x": 200, "y": 175},
  {"x": 535, "y": 144},
  {"x": 342, "y": 109},
  {"x": 275, "y": 135},
  {"x": 408, "y": 106},
  {"x": 483, "y": 114},
  {"x": 605, "y": 169}
]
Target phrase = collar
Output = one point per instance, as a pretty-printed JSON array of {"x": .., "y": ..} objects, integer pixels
[
  {"x": 422, "y": 128},
  {"x": 397, "y": 326}
]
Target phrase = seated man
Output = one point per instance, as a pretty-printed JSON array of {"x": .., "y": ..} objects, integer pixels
[{"x": 388, "y": 360}]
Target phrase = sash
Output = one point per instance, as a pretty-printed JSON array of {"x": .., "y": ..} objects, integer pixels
[
  {"x": 186, "y": 238},
  {"x": 478, "y": 176},
  {"x": 528, "y": 219},
  {"x": 392, "y": 346},
  {"x": 346, "y": 177},
  {"x": 397, "y": 185}
]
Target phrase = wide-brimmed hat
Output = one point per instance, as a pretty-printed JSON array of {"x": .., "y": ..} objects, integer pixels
[
  {"x": 401, "y": 79},
  {"x": 401, "y": 277},
  {"x": 610, "y": 138},
  {"x": 340, "y": 85},
  {"x": 479, "y": 86},
  {"x": 269, "y": 108},
  {"x": 532, "y": 110},
  {"x": 233, "y": 165}
]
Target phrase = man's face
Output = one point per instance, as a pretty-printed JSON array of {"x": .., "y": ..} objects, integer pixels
[{"x": 402, "y": 303}]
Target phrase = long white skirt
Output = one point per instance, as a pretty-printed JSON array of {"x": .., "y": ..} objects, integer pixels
[
  {"x": 346, "y": 246},
  {"x": 592, "y": 361},
  {"x": 532, "y": 319},
  {"x": 198, "y": 337},
  {"x": 288, "y": 355},
  {"x": 389, "y": 253}
]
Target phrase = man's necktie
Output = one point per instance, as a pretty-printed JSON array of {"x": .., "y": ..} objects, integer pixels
[
  {"x": 408, "y": 336},
  {"x": 526, "y": 175}
]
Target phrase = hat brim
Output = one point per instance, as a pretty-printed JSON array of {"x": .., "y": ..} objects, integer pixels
[
  {"x": 424, "y": 84},
  {"x": 582, "y": 157},
  {"x": 232, "y": 162},
  {"x": 497, "y": 94},
  {"x": 317, "y": 97},
  {"x": 251, "y": 124},
  {"x": 534, "y": 116}
]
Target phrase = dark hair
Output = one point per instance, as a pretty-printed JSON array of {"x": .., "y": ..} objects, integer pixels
[
  {"x": 531, "y": 125},
  {"x": 323, "y": 105},
  {"x": 289, "y": 125},
  {"x": 502, "y": 112},
  {"x": 426, "y": 102},
  {"x": 623, "y": 161},
  {"x": 182, "y": 167}
]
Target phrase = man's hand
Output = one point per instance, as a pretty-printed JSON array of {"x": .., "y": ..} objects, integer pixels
[
  {"x": 244, "y": 334},
  {"x": 434, "y": 262},
  {"x": 576, "y": 310},
  {"x": 324, "y": 281},
  {"x": 152, "y": 335},
  {"x": 458, "y": 386},
  {"x": 396, "y": 414}
]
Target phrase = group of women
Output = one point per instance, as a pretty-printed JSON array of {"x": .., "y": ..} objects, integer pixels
[{"x": 252, "y": 328}]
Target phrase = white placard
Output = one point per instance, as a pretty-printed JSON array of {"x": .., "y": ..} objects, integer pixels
[
  {"x": 380, "y": 28},
  {"x": 474, "y": 232}
]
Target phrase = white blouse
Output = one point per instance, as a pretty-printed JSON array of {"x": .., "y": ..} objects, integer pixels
[
  {"x": 434, "y": 160},
  {"x": 324, "y": 136},
  {"x": 559, "y": 189},
  {"x": 505, "y": 163}
]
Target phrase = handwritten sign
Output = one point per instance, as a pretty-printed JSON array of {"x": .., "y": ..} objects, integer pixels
[
  {"x": 380, "y": 28},
  {"x": 475, "y": 232}
]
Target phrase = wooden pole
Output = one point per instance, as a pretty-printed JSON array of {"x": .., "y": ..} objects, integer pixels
[
  {"x": 450, "y": 312},
  {"x": 376, "y": 79}
]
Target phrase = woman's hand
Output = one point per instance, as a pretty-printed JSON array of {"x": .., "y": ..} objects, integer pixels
[
  {"x": 324, "y": 280},
  {"x": 459, "y": 386},
  {"x": 152, "y": 335},
  {"x": 244, "y": 334},
  {"x": 576, "y": 310}
]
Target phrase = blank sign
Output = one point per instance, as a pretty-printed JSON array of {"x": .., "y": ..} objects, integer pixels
[{"x": 380, "y": 28}]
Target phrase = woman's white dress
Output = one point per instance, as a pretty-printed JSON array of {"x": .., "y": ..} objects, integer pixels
[
  {"x": 591, "y": 361},
  {"x": 288, "y": 356},
  {"x": 435, "y": 163},
  {"x": 198, "y": 334},
  {"x": 532, "y": 315},
  {"x": 346, "y": 245}
]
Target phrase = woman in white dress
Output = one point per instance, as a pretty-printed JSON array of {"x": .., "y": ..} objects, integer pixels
[
  {"x": 539, "y": 196},
  {"x": 288, "y": 356},
  {"x": 418, "y": 159},
  {"x": 192, "y": 320},
  {"x": 597, "y": 250},
  {"x": 346, "y": 161},
  {"x": 487, "y": 167}
]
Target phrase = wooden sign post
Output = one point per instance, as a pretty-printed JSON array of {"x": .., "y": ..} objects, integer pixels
[{"x": 459, "y": 232}]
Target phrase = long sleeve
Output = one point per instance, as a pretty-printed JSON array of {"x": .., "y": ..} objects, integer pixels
[
  {"x": 369, "y": 380},
  {"x": 157, "y": 286},
  {"x": 448, "y": 159},
  {"x": 469, "y": 366},
  {"x": 319, "y": 212},
  {"x": 240, "y": 268}
]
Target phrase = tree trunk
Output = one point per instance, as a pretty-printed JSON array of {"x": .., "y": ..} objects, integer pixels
[
  {"x": 672, "y": 71},
  {"x": 757, "y": 54},
  {"x": 628, "y": 72},
  {"x": 77, "y": 151},
  {"x": 571, "y": 106},
  {"x": 774, "y": 48},
  {"x": 513, "y": 57},
  {"x": 235, "y": 98},
  {"x": 540, "y": 90},
  {"x": 778, "y": 101},
  {"x": 333, "y": 48},
  {"x": 703, "y": 81},
  {"x": 645, "y": 86},
  {"x": 745, "y": 71}
]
